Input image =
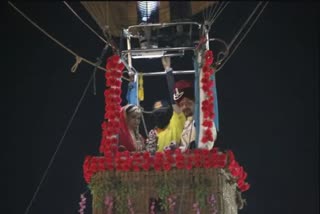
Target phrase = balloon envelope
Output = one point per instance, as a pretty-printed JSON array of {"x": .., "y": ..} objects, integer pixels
[{"x": 121, "y": 14}]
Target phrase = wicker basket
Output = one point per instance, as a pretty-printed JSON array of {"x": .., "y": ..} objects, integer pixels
[{"x": 187, "y": 186}]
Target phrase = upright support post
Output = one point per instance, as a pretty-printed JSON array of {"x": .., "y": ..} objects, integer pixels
[
  {"x": 135, "y": 80},
  {"x": 200, "y": 92}
]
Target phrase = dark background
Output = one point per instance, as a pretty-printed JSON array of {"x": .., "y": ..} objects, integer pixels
[{"x": 267, "y": 93}]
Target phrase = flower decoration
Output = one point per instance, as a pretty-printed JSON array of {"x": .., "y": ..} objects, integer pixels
[
  {"x": 196, "y": 207},
  {"x": 166, "y": 161},
  {"x": 172, "y": 203},
  {"x": 213, "y": 204},
  {"x": 207, "y": 103},
  {"x": 82, "y": 204},
  {"x": 130, "y": 206},
  {"x": 109, "y": 204},
  {"x": 111, "y": 125}
]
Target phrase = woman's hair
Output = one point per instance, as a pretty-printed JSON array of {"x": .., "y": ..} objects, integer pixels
[{"x": 129, "y": 109}]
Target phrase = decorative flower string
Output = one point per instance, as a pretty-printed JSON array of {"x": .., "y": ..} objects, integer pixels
[
  {"x": 153, "y": 206},
  {"x": 110, "y": 127},
  {"x": 109, "y": 204},
  {"x": 196, "y": 207},
  {"x": 207, "y": 103},
  {"x": 165, "y": 161},
  {"x": 130, "y": 206},
  {"x": 213, "y": 204},
  {"x": 237, "y": 172},
  {"x": 82, "y": 204},
  {"x": 172, "y": 203}
]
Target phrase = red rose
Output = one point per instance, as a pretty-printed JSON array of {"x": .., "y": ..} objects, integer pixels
[
  {"x": 207, "y": 164},
  {"x": 189, "y": 165},
  {"x": 243, "y": 175},
  {"x": 167, "y": 166},
  {"x": 136, "y": 168},
  {"x": 180, "y": 164},
  {"x": 157, "y": 166},
  {"x": 206, "y": 75},
  {"x": 179, "y": 158},
  {"x": 158, "y": 155},
  {"x": 115, "y": 59},
  {"x": 245, "y": 187},
  {"x": 146, "y": 166},
  {"x": 106, "y": 93},
  {"x": 146, "y": 155},
  {"x": 208, "y": 57},
  {"x": 117, "y": 91},
  {"x": 240, "y": 183},
  {"x": 107, "y": 74},
  {"x": 120, "y": 67}
]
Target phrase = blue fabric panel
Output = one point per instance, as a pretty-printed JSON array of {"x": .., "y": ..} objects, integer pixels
[
  {"x": 132, "y": 93},
  {"x": 215, "y": 102}
]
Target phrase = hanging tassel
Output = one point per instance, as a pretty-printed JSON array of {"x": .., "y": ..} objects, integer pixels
[{"x": 140, "y": 90}]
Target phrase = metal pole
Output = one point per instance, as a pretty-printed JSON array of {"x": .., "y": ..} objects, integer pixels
[
  {"x": 129, "y": 51},
  {"x": 164, "y": 73}
]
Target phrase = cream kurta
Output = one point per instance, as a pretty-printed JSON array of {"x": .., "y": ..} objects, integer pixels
[{"x": 189, "y": 135}]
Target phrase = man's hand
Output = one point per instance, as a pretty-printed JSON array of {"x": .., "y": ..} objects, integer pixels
[{"x": 166, "y": 62}]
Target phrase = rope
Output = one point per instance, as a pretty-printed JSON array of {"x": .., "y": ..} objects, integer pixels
[
  {"x": 244, "y": 25},
  {"x": 75, "y": 66},
  {"x": 216, "y": 10},
  {"x": 59, "y": 145},
  {"x": 218, "y": 13},
  {"x": 83, "y": 22},
  {"x": 144, "y": 125},
  {"x": 209, "y": 11},
  {"x": 151, "y": 112},
  {"x": 254, "y": 21},
  {"x": 56, "y": 41}
]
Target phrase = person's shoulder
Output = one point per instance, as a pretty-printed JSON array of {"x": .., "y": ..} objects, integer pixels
[{"x": 178, "y": 114}]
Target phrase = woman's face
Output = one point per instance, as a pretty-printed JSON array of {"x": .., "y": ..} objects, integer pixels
[{"x": 133, "y": 120}]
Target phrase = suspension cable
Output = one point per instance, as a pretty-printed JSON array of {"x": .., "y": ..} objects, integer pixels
[
  {"x": 88, "y": 26},
  {"x": 218, "y": 13},
  {"x": 244, "y": 24},
  {"x": 59, "y": 144},
  {"x": 59, "y": 43},
  {"x": 225, "y": 61},
  {"x": 52, "y": 38}
]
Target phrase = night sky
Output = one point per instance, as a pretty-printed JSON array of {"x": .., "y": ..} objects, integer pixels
[{"x": 267, "y": 93}]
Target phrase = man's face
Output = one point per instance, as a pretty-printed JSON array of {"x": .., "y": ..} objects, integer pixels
[{"x": 187, "y": 106}]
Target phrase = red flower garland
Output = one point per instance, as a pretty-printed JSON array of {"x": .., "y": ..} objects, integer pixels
[
  {"x": 110, "y": 127},
  {"x": 238, "y": 172},
  {"x": 165, "y": 161},
  {"x": 207, "y": 103}
]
